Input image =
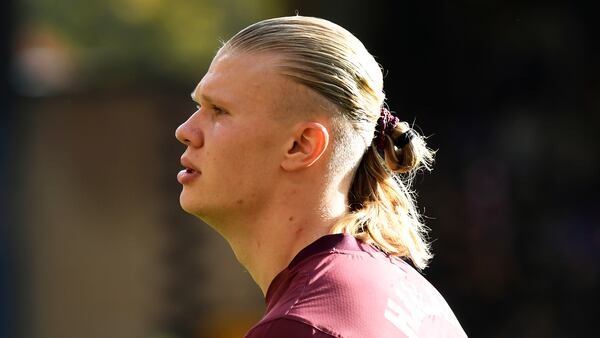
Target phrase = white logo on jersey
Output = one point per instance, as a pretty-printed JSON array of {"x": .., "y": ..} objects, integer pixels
[{"x": 405, "y": 310}]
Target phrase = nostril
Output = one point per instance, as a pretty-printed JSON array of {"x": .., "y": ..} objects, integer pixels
[
  {"x": 189, "y": 134},
  {"x": 181, "y": 137}
]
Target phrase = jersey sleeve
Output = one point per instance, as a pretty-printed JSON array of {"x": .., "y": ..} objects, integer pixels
[{"x": 285, "y": 327}]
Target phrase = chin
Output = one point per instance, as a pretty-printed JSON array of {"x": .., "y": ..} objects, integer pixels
[
  {"x": 195, "y": 206},
  {"x": 192, "y": 207},
  {"x": 187, "y": 204}
]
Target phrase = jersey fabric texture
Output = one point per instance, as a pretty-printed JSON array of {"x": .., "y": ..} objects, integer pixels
[{"x": 341, "y": 287}]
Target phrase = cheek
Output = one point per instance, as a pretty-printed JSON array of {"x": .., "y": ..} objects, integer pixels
[
  {"x": 249, "y": 143},
  {"x": 229, "y": 161},
  {"x": 243, "y": 152}
]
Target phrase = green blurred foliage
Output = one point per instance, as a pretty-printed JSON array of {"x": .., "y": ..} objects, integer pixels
[{"x": 112, "y": 40}]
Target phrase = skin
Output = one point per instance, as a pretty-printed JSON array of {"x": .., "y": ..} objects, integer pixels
[{"x": 260, "y": 144}]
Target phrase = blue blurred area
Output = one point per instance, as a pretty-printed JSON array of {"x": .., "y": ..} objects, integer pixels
[
  {"x": 7, "y": 249},
  {"x": 7, "y": 287}
]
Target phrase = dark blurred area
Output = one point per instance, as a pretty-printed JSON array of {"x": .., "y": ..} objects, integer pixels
[{"x": 93, "y": 242}]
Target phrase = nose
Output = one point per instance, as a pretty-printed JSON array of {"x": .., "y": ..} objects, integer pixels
[{"x": 189, "y": 133}]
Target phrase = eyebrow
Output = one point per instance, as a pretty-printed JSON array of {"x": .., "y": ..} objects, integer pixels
[{"x": 204, "y": 97}]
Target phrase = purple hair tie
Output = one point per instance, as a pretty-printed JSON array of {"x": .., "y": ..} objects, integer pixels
[{"x": 385, "y": 124}]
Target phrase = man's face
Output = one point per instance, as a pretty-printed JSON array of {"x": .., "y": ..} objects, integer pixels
[{"x": 236, "y": 139}]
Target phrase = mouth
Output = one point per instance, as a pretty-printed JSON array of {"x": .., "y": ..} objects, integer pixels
[{"x": 189, "y": 173}]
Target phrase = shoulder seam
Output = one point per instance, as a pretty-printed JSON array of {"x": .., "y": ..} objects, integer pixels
[
  {"x": 301, "y": 321},
  {"x": 307, "y": 276}
]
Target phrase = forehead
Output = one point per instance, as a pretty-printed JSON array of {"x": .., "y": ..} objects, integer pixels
[{"x": 239, "y": 80}]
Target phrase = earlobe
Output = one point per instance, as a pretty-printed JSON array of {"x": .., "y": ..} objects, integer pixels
[{"x": 308, "y": 145}]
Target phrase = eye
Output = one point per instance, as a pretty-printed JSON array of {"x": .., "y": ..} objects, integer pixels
[{"x": 217, "y": 110}]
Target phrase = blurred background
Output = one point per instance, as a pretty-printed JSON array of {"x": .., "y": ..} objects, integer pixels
[{"x": 93, "y": 242}]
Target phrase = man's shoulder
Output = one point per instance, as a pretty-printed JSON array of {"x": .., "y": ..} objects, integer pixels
[
  {"x": 358, "y": 294},
  {"x": 352, "y": 281}
]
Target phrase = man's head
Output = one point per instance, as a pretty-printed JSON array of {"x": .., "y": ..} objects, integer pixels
[
  {"x": 294, "y": 101},
  {"x": 246, "y": 134}
]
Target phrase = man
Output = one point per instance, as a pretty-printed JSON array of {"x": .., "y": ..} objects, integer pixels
[{"x": 293, "y": 158}]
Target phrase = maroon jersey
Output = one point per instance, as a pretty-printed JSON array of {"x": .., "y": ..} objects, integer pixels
[{"x": 341, "y": 287}]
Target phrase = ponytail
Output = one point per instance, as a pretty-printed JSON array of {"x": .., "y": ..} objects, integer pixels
[{"x": 382, "y": 206}]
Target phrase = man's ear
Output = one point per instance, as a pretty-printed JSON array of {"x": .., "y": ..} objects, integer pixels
[{"x": 308, "y": 144}]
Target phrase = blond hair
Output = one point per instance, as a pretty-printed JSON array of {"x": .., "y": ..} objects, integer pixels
[{"x": 335, "y": 64}]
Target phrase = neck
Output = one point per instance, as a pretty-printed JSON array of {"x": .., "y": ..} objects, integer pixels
[{"x": 277, "y": 234}]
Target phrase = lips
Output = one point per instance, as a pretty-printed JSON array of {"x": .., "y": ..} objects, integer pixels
[{"x": 188, "y": 174}]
